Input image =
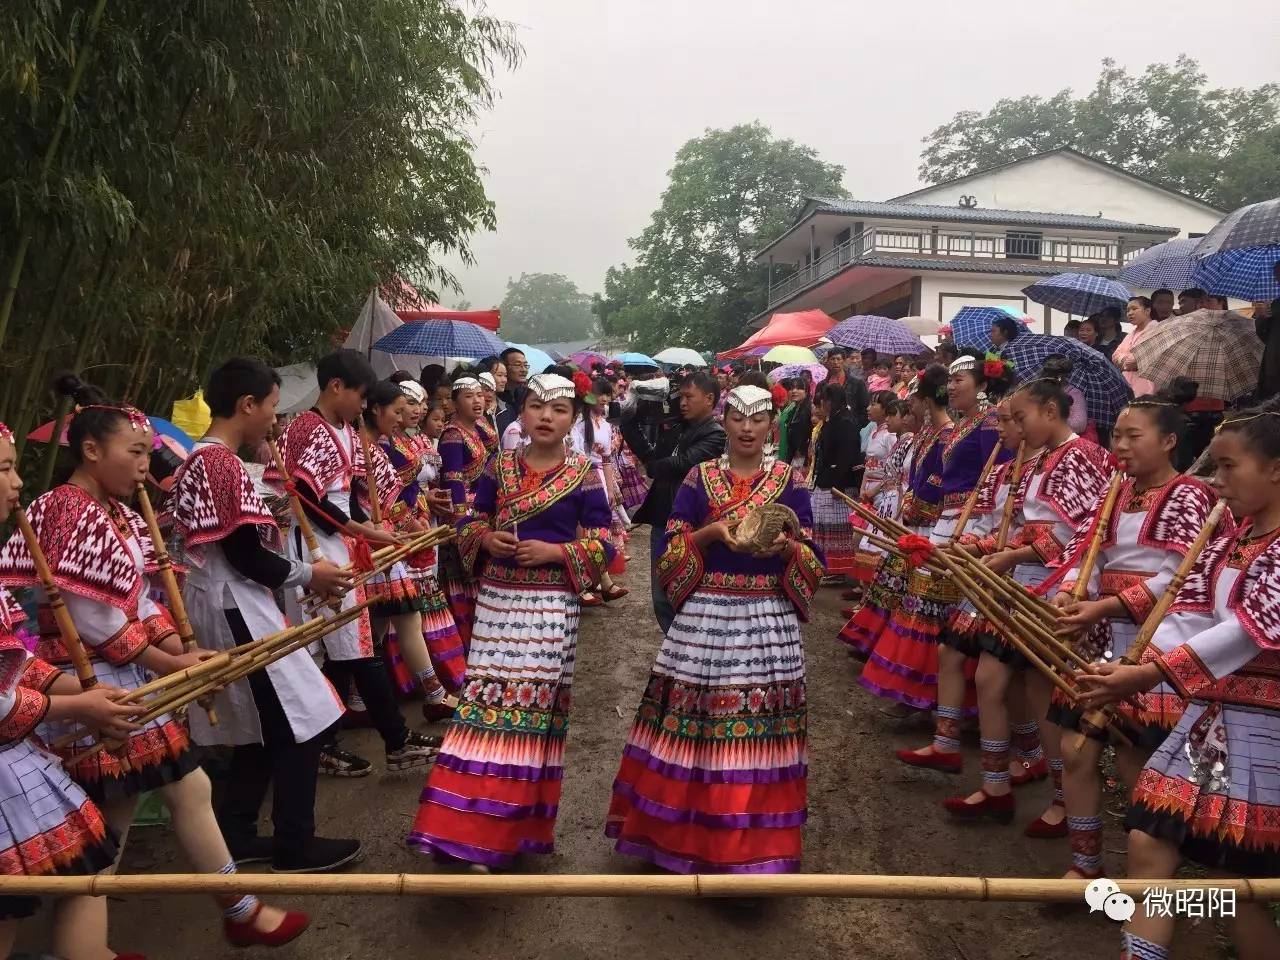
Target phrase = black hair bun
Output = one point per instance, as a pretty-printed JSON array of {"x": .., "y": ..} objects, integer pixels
[
  {"x": 1057, "y": 367},
  {"x": 67, "y": 384}
]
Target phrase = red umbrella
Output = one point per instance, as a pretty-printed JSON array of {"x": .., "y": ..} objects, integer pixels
[{"x": 803, "y": 329}]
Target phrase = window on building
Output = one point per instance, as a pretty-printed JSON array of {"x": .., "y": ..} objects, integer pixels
[{"x": 1022, "y": 244}]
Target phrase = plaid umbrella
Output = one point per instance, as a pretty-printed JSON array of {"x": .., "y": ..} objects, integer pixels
[
  {"x": 1257, "y": 225},
  {"x": 441, "y": 338},
  {"x": 817, "y": 372},
  {"x": 1169, "y": 264},
  {"x": 884, "y": 336},
  {"x": 1248, "y": 273},
  {"x": 1079, "y": 293},
  {"x": 971, "y": 326},
  {"x": 1216, "y": 348},
  {"x": 1105, "y": 389}
]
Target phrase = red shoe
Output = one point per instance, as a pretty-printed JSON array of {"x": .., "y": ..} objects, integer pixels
[
  {"x": 1041, "y": 829},
  {"x": 1031, "y": 772},
  {"x": 946, "y": 762},
  {"x": 590, "y": 600},
  {"x": 435, "y": 712},
  {"x": 999, "y": 809},
  {"x": 616, "y": 593},
  {"x": 242, "y": 934}
]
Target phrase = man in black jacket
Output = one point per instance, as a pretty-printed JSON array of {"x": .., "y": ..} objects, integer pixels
[
  {"x": 513, "y": 396},
  {"x": 668, "y": 462}
]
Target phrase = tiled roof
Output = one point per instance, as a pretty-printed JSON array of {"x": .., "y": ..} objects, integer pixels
[{"x": 955, "y": 214}]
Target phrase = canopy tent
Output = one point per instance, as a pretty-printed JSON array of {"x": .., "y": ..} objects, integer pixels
[
  {"x": 411, "y": 305},
  {"x": 803, "y": 329}
]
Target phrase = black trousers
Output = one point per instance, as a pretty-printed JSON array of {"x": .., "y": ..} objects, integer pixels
[
  {"x": 279, "y": 762},
  {"x": 370, "y": 677},
  {"x": 662, "y": 608}
]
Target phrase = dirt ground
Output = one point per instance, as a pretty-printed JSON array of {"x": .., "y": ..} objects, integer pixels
[{"x": 867, "y": 814}]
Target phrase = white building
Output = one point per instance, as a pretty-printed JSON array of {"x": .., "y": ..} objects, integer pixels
[{"x": 974, "y": 241}]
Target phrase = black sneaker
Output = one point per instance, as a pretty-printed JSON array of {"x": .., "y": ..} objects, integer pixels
[
  {"x": 343, "y": 763},
  {"x": 418, "y": 751},
  {"x": 251, "y": 850},
  {"x": 321, "y": 855}
]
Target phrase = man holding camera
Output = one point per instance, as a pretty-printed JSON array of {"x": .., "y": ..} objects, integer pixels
[{"x": 669, "y": 448}]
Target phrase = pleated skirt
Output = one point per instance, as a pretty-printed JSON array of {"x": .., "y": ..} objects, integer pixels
[
  {"x": 495, "y": 788},
  {"x": 713, "y": 776}
]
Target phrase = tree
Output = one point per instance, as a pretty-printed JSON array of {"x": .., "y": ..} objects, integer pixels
[
  {"x": 188, "y": 181},
  {"x": 1165, "y": 124},
  {"x": 546, "y": 308},
  {"x": 695, "y": 281}
]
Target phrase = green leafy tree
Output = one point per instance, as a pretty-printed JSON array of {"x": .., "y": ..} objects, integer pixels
[
  {"x": 1165, "y": 124},
  {"x": 694, "y": 280},
  {"x": 546, "y": 308},
  {"x": 184, "y": 181}
]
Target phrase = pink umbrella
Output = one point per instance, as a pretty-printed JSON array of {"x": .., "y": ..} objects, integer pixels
[
  {"x": 586, "y": 359},
  {"x": 817, "y": 372}
]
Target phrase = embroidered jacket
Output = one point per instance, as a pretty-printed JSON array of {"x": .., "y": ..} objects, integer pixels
[
  {"x": 463, "y": 456},
  {"x": 551, "y": 507},
  {"x": 922, "y": 499},
  {"x": 22, "y": 705},
  {"x": 1061, "y": 494},
  {"x": 712, "y": 493},
  {"x": 212, "y": 495}
]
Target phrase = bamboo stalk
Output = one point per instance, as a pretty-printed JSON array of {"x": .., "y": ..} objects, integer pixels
[
  {"x": 299, "y": 515},
  {"x": 972, "y": 499},
  {"x": 846, "y": 886},
  {"x": 1090, "y": 561},
  {"x": 1091, "y": 719},
  {"x": 385, "y": 559},
  {"x": 1015, "y": 482},
  {"x": 177, "y": 606},
  {"x": 370, "y": 482},
  {"x": 66, "y": 626}
]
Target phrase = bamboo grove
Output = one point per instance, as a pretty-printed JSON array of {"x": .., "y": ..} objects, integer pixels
[{"x": 181, "y": 180}]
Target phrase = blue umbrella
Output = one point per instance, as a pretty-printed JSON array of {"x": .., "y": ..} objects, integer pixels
[
  {"x": 884, "y": 336},
  {"x": 1255, "y": 225},
  {"x": 441, "y": 338},
  {"x": 1169, "y": 264},
  {"x": 164, "y": 427},
  {"x": 538, "y": 359},
  {"x": 1104, "y": 387},
  {"x": 636, "y": 360},
  {"x": 1248, "y": 273},
  {"x": 1079, "y": 293},
  {"x": 971, "y": 326}
]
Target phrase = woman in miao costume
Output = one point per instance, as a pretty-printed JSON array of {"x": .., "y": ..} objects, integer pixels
[
  {"x": 1068, "y": 480},
  {"x": 1003, "y": 714},
  {"x": 463, "y": 456},
  {"x": 487, "y": 425},
  {"x": 713, "y": 777},
  {"x": 417, "y": 464},
  {"x": 592, "y": 437},
  {"x": 881, "y": 443},
  {"x": 274, "y": 720},
  {"x": 537, "y": 536},
  {"x": 902, "y": 664},
  {"x": 965, "y": 454},
  {"x": 1156, "y": 518},
  {"x": 322, "y": 456},
  {"x": 1211, "y": 792},
  {"x": 402, "y": 592},
  {"x": 99, "y": 551},
  {"x": 49, "y": 826}
]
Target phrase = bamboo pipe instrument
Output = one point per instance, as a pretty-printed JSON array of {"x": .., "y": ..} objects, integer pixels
[
  {"x": 170, "y": 700},
  {"x": 177, "y": 606},
  {"x": 971, "y": 501},
  {"x": 66, "y": 626},
  {"x": 370, "y": 482},
  {"x": 1152, "y": 623},
  {"x": 1015, "y": 483},
  {"x": 385, "y": 559},
  {"x": 1090, "y": 561},
  {"x": 846, "y": 886}
]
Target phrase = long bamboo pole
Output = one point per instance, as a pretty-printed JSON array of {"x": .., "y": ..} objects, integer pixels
[
  {"x": 370, "y": 482},
  {"x": 1010, "y": 503},
  {"x": 177, "y": 606},
  {"x": 1090, "y": 561},
  {"x": 845, "y": 886}
]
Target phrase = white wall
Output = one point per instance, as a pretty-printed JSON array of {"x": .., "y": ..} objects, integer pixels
[
  {"x": 1062, "y": 183},
  {"x": 943, "y": 294}
]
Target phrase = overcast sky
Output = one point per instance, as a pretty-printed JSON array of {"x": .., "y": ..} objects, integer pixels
[{"x": 578, "y": 146}]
